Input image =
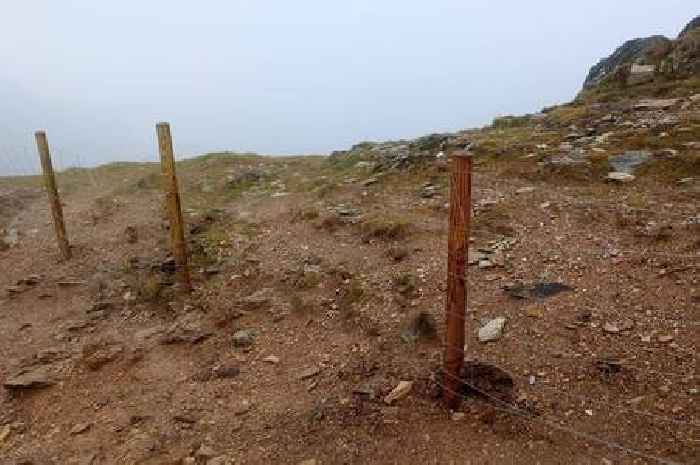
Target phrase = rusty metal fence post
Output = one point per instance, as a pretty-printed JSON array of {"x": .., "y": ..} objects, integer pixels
[
  {"x": 52, "y": 191},
  {"x": 173, "y": 205},
  {"x": 459, "y": 222}
]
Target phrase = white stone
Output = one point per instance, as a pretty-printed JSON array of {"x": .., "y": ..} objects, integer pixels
[
  {"x": 492, "y": 330},
  {"x": 617, "y": 176},
  {"x": 399, "y": 392}
]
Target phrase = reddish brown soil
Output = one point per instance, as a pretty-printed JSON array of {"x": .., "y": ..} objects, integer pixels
[{"x": 145, "y": 402}]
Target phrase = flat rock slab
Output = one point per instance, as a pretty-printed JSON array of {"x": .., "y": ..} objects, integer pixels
[
  {"x": 620, "y": 177},
  {"x": 628, "y": 161},
  {"x": 655, "y": 104},
  {"x": 29, "y": 379}
]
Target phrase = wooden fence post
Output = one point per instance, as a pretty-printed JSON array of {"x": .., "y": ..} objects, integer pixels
[
  {"x": 459, "y": 219},
  {"x": 172, "y": 200},
  {"x": 52, "y": 191}
]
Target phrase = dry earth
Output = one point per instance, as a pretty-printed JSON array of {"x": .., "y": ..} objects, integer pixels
[{"x": 319, "y": 287}]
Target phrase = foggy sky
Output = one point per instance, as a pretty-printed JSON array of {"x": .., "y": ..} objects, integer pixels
[{"x": 289, "y": 77}]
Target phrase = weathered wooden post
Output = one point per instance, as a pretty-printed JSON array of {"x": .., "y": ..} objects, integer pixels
[
  {"x": 52, "y": 191},
  {"x": 172, "y": 201},
  {"x": 456, "y": 306}
]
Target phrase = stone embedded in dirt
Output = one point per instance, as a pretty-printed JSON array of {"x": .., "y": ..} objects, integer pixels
[
  {"x": 628, "y": 161},
  {"x": 272, "y": 359},
  {"x": 97, "y": 355},
  {"x": 257, "y": 300},
  {"x": 525, "y": 190},
  {"x": 611, "y": 328},
  {"x": 29, "y": 379},
  {"x": 71, "y": 283},
  {"x": 541, "y": 290},
  {"x": 609, "y": 365},
  {"x": 421, "y": 326},
  {"x": 620, "y": 177},
  {"x": 242, "y": 408},
  {"x": 100, "y": 306},
  {"x": 221, "y": 460},
  {"x": 399, "y": 392},
  {"x": 185, "y": 333},
  {"x": 244, "y": 337},
  {"x": 309, "y": 373},
  {"x": 309, "y": 462},
  {"x": 226, "y": 372},
  {"x": 131, "y": 235},
  {"x": 31, "y": 280},
  {"x": 80, "y": 428},
  {"x": 492, "y": 330},
  {"x": 665, "y": 338},
  {"x": 656, "y": 104},
  {"x": 487, "y": 381},
  {"x": 205, "y": 452}
]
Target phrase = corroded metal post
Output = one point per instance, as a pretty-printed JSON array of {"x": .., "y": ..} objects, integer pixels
[
  {"x": 459, "y": 219},
  {"x": 173, "y": 205},
  {"x": 52, "y": 191}
]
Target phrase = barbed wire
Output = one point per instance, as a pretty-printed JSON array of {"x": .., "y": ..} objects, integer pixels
[{"x": 509, "y": 408}]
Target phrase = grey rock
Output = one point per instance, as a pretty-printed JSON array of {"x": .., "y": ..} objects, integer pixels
[
  {"x": 628, "y": 161},
  {"x": 244, "y": 338}
]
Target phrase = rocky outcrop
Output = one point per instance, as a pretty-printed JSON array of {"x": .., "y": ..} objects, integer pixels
[{"x": 641, "y": 60}]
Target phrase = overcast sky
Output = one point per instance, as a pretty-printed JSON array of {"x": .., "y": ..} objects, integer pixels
[{"x": 288, "y": 77}]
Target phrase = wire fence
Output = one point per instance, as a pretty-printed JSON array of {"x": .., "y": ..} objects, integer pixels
[{"x": 555, "y": 423}]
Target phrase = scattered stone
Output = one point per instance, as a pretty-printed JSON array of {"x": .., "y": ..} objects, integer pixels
[
  {"x": 29, "y": 379},
  {"x": 487, "y": 381},
  {"x": 540, "y": 290},
  {"x": 131, "y": 235},
  {"x": 226, "y": 372},
  {"x": 309, "y": 462},
  {"x": 525, "y": 190},
  {"x": 272, "y": 359},
  {"x": 256, "y": 301},
  {"x": 80, "y": 428},
  {"x": 628, "y": 161},
  {"x": 244, "y": 338},
  {"x": 97, "y": 355},
  {"x": 400, "y": 391},
  {"x": 611, "y": 328},
  {"x": 655, "y": 104},
  {"x": 71, "y": 283},
  {"x": 309, "y": 373},
  {"x": 205, "y": 452},
  {"x": 243, "y": 408},
  {"x": 666, "y": 338},
  {"x": 190, "y": 333},
  {"x": 621, "y": 178},
  {"x": 493, "y": 330},
  {"x": 422, "y": 325}
]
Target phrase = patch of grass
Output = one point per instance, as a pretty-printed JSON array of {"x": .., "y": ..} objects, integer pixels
[
  {"x": 349, "y": 296},
  {"x": 385, "y": 229},
  {"x": 406, "y": 284},
  {"x": 510, "y": 121},
  {"x": 304, "y": 214},
  {"x": 566, "y": 115}
]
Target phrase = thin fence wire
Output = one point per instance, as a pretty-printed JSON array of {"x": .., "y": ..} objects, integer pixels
[{"x": 509, "y": 408}]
